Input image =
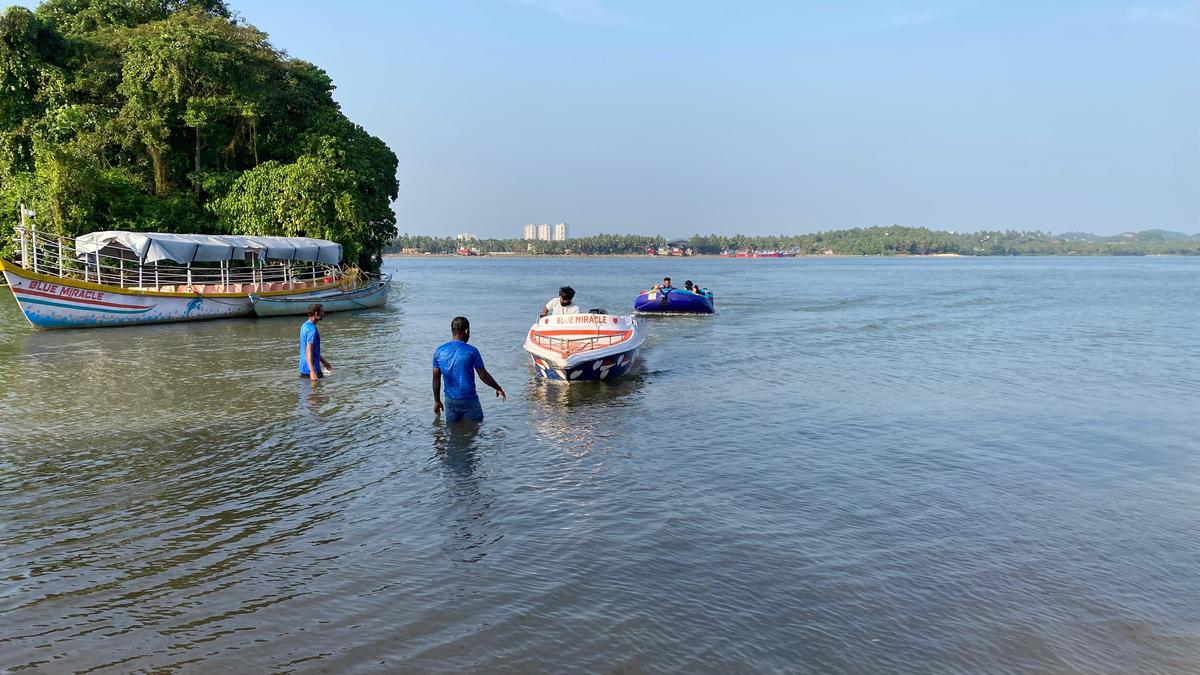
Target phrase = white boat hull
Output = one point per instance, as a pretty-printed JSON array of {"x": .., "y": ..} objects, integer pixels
[{"x": 370, "y": 296}]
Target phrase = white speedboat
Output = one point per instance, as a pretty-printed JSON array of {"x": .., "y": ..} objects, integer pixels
[{"x": 578, "y": 347}]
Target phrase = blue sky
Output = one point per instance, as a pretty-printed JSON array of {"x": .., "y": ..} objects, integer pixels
[{"x": 762, "y": 117}]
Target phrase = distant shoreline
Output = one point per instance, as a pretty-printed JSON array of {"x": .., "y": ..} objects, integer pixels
[
  {"x": 802, "y": 255},
  {"x": 894, "y": 240},
  {"x": 694, "y": 255}
]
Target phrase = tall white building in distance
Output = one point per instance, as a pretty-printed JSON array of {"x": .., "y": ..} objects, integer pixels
[{"x": 546, "y": 232}]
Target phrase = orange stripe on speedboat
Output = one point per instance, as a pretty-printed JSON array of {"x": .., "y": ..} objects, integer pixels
[
  {"x": 568, "y": 350},
  {"x": 86, "y": 301}
]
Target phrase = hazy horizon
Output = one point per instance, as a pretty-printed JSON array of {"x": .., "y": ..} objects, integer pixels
[
  {"x": 771, "y": 117},
  {"x": 813, "y": 231}
]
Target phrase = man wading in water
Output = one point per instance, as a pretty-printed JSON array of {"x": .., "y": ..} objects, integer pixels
[
  {"x": 459, "y": 362},
  {"x": 311, "y": 360}
]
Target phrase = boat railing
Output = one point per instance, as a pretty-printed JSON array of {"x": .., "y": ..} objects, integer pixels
[
  {"x": 56, "y": 256},
  {"x": 577, "y": 344}
]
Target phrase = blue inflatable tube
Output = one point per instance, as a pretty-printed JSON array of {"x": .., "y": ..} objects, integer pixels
[{"x": 673, "y": 301}]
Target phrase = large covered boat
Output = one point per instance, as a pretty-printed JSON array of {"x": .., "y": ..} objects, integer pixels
[
  {"x": 673, "y": 301},
  {"x": 118, "y": 278},
  {"x": 579, "y": 347}
]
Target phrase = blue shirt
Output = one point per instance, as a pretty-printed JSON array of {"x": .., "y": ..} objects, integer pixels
[
  {"x": 458, "y": 360},
  {"x": 310, "y": 336}
]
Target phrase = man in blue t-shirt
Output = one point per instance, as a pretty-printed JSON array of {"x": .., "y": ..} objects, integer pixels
[
  {"x": 311, "y": 360},
  {"x": 457, "y": 362}
]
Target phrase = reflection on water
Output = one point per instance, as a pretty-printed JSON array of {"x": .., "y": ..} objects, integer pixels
[
  {"x": 563, "y": 396},
  {"x": 581, "y": 417},
  {"x": 312, "y": 398},
  {"x": 470, "y": 527},
  {"x": 454, "y": 444}
]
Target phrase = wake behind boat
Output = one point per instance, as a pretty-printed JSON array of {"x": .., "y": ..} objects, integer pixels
[
  {"x": 578, "y": 347},
  {"x": 118, "y": 278}
]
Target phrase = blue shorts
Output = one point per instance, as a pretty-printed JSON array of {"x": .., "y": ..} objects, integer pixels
[{"x": 463, "y": 408}]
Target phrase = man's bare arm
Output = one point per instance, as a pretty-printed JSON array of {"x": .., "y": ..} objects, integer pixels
[
  {"x": 437, "y": 391},
  {"x": 491, "y": 382}
]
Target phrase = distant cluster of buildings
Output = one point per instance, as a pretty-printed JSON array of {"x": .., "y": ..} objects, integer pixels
[
  {"x": 546, "y": 232},
  {"x": 533, "y": 231}
]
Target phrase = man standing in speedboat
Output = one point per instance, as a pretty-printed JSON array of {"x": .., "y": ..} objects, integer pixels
[
  {"x": 311, "y": 360},
  {"x": 563, "y": 304},
  {"x": 458, "y": 362}
]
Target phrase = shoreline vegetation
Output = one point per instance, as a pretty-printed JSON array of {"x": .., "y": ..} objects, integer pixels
[
  {"x": 178, "y": 116},
  {"x": 872, "y": 241}
]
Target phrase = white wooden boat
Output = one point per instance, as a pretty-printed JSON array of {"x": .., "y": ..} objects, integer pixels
[
  {"x": 119, "y": 278},
  {"x": 372, "y": 293}
]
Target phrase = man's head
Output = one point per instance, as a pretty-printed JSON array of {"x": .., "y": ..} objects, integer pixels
[
  {"x": 315, "y": 312},
  {"x": 460, "y": 328},
  {"x": 666, "y": 281},
  {"x": 688, "y": 284},
  {"x": 566, "y": 294}
]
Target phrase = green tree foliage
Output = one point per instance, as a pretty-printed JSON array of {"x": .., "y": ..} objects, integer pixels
[
  {"x": 30, "y": 82},
  {"x": 169, "y": 115},
  {"x": 317, "y": 195},
  {"x": 80, "y": 17}
]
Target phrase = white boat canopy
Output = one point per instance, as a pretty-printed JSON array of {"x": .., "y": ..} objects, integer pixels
[{"x": 151, "y": 247}]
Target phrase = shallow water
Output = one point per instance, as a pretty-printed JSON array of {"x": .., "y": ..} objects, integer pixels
[{"x": 857, "y": 465}]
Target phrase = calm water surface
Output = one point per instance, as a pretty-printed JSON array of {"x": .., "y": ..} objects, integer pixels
[{"x": 884, "y": 465}]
